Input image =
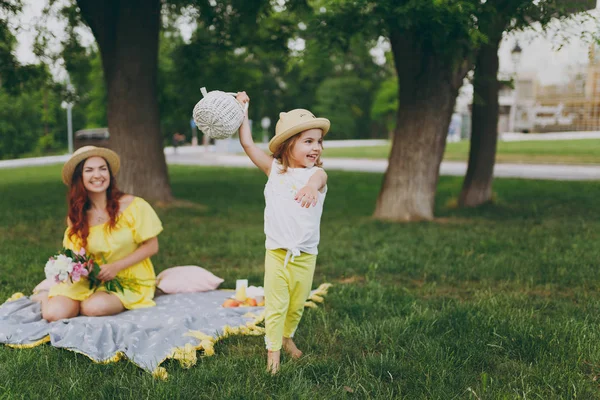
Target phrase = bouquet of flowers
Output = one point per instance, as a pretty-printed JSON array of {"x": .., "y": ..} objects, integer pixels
[{"x": 71, "y": 266}]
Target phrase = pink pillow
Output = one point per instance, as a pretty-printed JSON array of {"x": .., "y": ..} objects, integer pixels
[
  {"x": 187, "y": 279},
  {"x": 46, "y": 284}
]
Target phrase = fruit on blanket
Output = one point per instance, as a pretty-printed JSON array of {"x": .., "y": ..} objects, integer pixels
[
  {"x": 231, "y": 303},
  {"x": 250, "y": 302}
]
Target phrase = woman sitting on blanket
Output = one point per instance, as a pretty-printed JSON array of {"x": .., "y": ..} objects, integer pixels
[{"x": 118, "y": 230}]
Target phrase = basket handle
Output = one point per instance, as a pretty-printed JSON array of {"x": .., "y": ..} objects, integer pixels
[
  {"x": 204, "y": 93},
  {"x": 235, "y": 94}
]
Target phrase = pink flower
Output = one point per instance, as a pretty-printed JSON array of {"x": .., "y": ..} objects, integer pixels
[{"x": 79, "y": 270}]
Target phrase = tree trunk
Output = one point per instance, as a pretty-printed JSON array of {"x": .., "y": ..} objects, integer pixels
[
  {"x": 477, "y": 186},
  {"x": 127, "y": 33},
  {"x": 428, "y": 87}
]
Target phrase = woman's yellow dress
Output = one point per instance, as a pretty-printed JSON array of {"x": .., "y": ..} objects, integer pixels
[{"x": 136, "y": 224}]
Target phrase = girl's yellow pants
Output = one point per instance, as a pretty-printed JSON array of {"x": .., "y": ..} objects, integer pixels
[{"x": 286, "y": 289}]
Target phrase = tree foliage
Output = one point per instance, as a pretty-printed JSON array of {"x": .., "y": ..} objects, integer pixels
[
  {"x": 235, "y": 46},
  {"x": 30, "y": 114}
]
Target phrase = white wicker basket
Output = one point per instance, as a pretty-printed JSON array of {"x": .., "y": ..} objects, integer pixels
[{"x": 218, "y": 115}]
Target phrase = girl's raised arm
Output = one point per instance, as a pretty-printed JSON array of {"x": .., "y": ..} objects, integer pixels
[{"x": 261, "y": 159}]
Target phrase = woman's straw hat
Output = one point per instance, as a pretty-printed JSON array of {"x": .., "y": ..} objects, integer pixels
[
  {"x": 83, "y": 154},
  {"x": 293, "y": 122}
]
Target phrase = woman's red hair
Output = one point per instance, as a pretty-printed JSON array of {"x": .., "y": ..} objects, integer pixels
[{"x": 79, "y": 204}]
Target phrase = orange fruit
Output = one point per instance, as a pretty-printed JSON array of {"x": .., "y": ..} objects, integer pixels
[{"x": 231, "y": 303}]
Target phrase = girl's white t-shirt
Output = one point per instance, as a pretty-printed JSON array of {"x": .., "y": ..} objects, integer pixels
[{"x": 288, "y": 225}]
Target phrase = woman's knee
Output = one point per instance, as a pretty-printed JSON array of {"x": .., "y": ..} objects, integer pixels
[
  {"x": 57, "y": 308},
  {"x": 101, "y": 304},
  {"x": 92, "y": 308}
]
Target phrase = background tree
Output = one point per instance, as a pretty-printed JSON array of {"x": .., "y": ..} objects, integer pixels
[
  {"x": 433, "y": 45},
  {"x": 29, "y": 99},
  {"x": 257, "y": 57},
  {"x": 8, "y": 62},
  {"x": 84, "y": 68},
  {"x": 233, "y": 55},
  {"x": 231, "y": 49},
  {"x": 347, "y": 93},
  {"x": 496, "y": 18},
  {"x": 127, "y": 35},
  {"x": 175, "y": 111},
  {"x": 95, "y": 105},
  {"x": 385, "y": 102},
  {"x": 385, "y": 105}
]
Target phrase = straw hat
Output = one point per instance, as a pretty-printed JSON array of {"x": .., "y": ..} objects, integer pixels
[
  {"x": 294, "y": 122},
  {"x": 83, "y": 154}
]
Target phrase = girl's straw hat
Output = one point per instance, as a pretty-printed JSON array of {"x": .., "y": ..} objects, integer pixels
[
  {"x": 83, "y": 154},
  {"x": 294, "y": 122}
]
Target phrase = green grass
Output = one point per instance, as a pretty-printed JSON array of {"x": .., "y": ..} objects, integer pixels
[
  {"x": 494, "y": 303},
  {"x": 42, "y": 153},
  {"x": 586, "y": 151}
]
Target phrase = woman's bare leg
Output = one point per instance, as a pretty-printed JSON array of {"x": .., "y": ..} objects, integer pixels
[
  {"x": 100, "y": 304},
  {"x": 59, "y": 307},
  {"x": 39, "y": 297}
]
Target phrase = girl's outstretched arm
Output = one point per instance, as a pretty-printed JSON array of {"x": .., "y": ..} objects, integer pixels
[
  {"x": 261, "y": 159},
  {"x": 307, "y": 196}
]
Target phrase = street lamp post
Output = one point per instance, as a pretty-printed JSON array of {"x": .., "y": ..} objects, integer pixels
[
  {"x": 515, "y": 54},
  {"x": 68, "y": 105},
  {"x": 194, "y": 133},
  {"x": 265, "y": 123},
  {"x": 70, "y": 126}
]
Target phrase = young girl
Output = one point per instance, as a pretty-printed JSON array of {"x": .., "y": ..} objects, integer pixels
[{"x": 294, "y": 196}]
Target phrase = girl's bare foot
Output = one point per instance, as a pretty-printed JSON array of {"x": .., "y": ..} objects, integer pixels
[
  {"x": 290, "y": 347},
  {"x": 273, "y": 359}
]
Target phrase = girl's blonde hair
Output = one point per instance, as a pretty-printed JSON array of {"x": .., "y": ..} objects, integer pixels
[{"x": 284, "y": 153}]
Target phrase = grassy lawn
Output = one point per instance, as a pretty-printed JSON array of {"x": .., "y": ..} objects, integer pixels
[
  {"x": 586, "y": 151},
  {"x": 38, "y": 153},
  {"x": 499, "y": 302}
]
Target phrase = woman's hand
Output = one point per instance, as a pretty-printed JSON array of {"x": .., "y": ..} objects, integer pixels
[
  {"x": 307, "y": 196},
  {"x": 108, "y": 272}
]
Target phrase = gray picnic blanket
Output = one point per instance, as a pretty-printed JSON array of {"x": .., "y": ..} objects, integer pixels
[{"x": 178, "y": 327}]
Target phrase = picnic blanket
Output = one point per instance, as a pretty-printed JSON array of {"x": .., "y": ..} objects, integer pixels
[{"x": 176, "y": 328}]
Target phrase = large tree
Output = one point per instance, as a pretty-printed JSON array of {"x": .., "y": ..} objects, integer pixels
[
  {"x": 496, "y": 18},
  {"x": 433, "y": 43},
  {"x": 126, "y": 32}
]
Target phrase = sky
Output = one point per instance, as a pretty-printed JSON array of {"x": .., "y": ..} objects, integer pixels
[{"x": 541, "y": 54}]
